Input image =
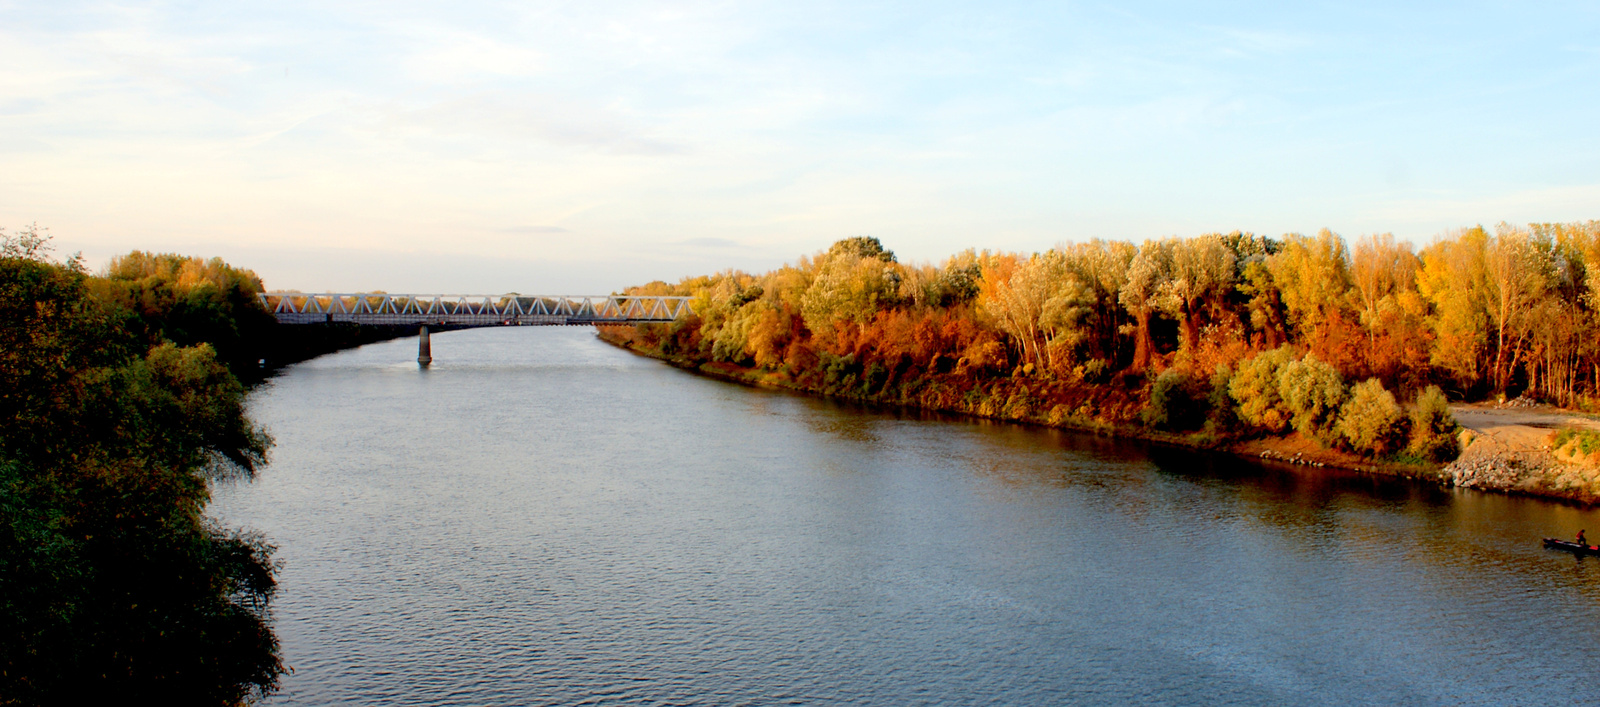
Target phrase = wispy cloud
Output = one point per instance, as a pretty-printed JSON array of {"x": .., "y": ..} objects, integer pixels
[
  {"x": 716, "y": 243},
  {"x": 702, "y": 131},
  {"x": 542, "y": 117},
  {"x": 454, "y": 56}
]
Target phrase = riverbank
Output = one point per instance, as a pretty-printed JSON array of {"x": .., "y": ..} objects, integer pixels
[
  {"x": 275, "y": 346},
  {"x": 1505, "y": 449},
  {"x": 1510, "y": 447},
  {"x": 1091, "y": 417}
]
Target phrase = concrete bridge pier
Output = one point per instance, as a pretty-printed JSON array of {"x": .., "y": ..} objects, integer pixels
[{"x": 424, "y": 349}]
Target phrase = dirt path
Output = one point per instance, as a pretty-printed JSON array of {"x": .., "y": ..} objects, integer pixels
[{"x": 1516, "y": 429}]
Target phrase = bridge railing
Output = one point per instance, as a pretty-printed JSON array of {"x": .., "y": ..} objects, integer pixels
[{"x": 471, "y": 310}]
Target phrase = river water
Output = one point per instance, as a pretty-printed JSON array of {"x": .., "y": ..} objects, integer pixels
[{"x": 543, "y": 519}]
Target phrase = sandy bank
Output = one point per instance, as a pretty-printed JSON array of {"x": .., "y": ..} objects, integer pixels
[{"x": 1506, "y": 447}]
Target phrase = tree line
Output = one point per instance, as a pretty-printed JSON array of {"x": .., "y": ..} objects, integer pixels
[
  {"x": 120, "y": 407},
  {"x": 122, "y": 401},
  {"x": 1177, "y": 333}
]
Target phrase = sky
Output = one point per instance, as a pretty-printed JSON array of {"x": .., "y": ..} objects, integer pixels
[{"x": 582, "y": 147}]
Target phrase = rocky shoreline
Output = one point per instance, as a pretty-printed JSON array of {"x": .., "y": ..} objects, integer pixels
[{"x": 1530, "y": 473}]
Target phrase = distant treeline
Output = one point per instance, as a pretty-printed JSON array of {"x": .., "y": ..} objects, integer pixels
[
  {"x": 121, "y": 401},
  {"x": 1232, "y": 334},
  {"x": 189, "y": 300}
]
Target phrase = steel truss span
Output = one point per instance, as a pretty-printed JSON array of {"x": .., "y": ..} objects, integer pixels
[{"x": 471, "y": 310}]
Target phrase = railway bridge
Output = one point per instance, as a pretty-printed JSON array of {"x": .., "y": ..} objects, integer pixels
[{"x": 469, "y": 311}]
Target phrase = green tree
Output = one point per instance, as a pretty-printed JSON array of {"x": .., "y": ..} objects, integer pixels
[
  {"x": 1177, "y": 401},
  {"x": 1371, "y": 422},
  {"x": 854, "y": 280},
  {"x": 1312, "y": 392},
  {"x": 114, "y": 587},
  {"x": 1433, "y": 427},
  {"x": 858, "y": 247},
  {"x": 1254, "y": 388}
]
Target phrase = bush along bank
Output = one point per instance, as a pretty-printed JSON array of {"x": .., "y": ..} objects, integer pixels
[
  {"x": 1297, "y": 349},
  {"x": 1383, "y": 436},
  {"x": 123, "y": 398}
]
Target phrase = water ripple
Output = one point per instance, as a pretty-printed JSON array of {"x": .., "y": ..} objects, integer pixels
[{"x": 541, "y": 519}]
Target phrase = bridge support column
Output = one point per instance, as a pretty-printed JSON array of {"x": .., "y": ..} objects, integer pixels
[{"x": 424, "y": 349}]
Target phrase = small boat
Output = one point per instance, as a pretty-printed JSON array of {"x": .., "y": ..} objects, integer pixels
[{"x": 1572, "y": 547}]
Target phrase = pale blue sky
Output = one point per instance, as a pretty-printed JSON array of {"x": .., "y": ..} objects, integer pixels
[{"x": 586, "y": 146}]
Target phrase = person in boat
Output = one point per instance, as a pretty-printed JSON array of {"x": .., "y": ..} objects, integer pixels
[{"x": 1581, "y": 540}]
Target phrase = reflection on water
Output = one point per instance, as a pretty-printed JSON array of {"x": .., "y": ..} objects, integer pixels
[{"x": 541, "y": 519}]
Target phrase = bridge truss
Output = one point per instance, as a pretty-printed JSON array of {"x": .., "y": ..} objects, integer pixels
[{"x": 471, "y": 310}]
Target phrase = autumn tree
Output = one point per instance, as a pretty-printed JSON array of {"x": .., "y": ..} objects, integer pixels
[
  {"x": 1371, "y": 422},
  {"x": 1014, "y": 294},
  {"x": 1254, "y": 389},
  {"x": 1101, "y": 268},
  {"x": 1380, "y": 268},
  {"x": 854, "y": 279},
  {"x": 1200, "y": 272},
  {"x": 1471, "y": 310},
  {"x": 114, "y": 588},
  {"x": 189, "y": 300},
  {"x": 1141, "y": 295},
  {"x": 1517, "y": 266},
  {"x": 1312, "y": 275},
  {"x": 1313, "y": 392},
  {"x": 1454, "y": 280},
  {"x": 1267, "y": 314}
]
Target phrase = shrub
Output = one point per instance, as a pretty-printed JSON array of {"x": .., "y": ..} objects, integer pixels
[
  {"x": 1177, "y": 402},
  {"x": 1018, "y": 407},
  {"x": 873, "y": 378},
  {"x": 1060, "y": 415},
  {"x": 1588, "y": 441},
  {"x": 1584, "y": 442},
  {"x": 1372, "y": 423},
  {"x": 1221, "y": 417},
  {"x": 1094, "y": 371},
  {"x": 981, "y": 357},
  {"x": 1255, "y": 389},
  {"x": 1433, "y": 427},
  {"x": 732, "y": 341},
  {"x": 838, "y": 370},
  {"x": 1312, "y": 392}
]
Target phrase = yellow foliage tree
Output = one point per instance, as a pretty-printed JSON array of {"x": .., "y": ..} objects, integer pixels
[
  {"x": 1312, "y": 276},
  {"x": 1454, "y": 280}
]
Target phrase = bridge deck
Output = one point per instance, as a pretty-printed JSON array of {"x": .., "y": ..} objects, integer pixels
[{"x": 471, "y": 310}]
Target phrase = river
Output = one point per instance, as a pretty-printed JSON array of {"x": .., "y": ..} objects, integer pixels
[{"x": 541, "y": 518}]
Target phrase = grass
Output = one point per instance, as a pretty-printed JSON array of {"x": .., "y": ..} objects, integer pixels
[{"x": 1588, "y": 440}]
